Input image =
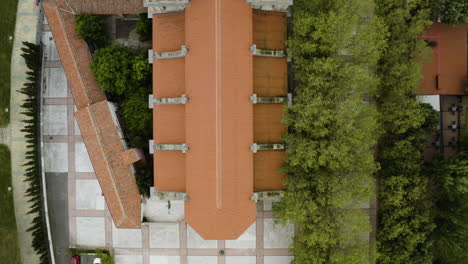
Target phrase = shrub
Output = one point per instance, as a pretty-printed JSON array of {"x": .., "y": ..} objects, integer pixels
[
  {"x": 142, "y": 70},
  {"x": 137, "y": 116},
  {"x": 144, "y": 28},
  {"x": 90, "y": 28},
  {"x": 144, "y": 179},
  {"x": 105, "y": 257}
]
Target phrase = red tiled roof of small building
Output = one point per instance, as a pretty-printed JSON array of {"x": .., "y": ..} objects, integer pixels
[
  {"x": 448, "y": 65},
  {"x": 101, "y": 7},
  {"x": 100, "y": 133}
]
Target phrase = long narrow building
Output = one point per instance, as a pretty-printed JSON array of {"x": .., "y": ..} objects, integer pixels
[
  {"x": 220, "y": 87},
  {"x": 95, "y": 115}
]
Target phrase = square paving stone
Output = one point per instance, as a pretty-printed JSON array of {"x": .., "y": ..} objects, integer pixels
[
  {"x": 194, "y": 240},
  {"x": 128, "y": 259},
  {"x": 90, "y": 231},
  {"x": 82, "y": 160},
  {"x": 89, "y": 195},
  {"x": 50, "y": 49},
  {"x": 241, "y": 260},
  {"x": 126, "y": 238},
  {"x": 56, "y": 83},
  {"x": 164, "y": 260},
  {"x": 55, "y": 157},
  {"x": 278, "y": 259},
  {"x": 202, "y": 260},
  {"x": 55, "y": 120},
  {"x": 276, "y": 235},
  {"x": 246, "y": 240},
  {"x": 164, "y": 235}
]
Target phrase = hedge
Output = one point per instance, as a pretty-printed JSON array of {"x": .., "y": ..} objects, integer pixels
[{"x": 32, "y": 55}]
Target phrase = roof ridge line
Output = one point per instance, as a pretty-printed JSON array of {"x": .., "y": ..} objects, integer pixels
[
  {"x": 101, "y": 148},
  {"x": 72, "y": 51}
]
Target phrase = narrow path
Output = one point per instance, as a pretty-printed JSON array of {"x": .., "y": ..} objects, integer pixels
[
  {"x": 26, "y": 29},
  {"x": 5, "y": 135}
]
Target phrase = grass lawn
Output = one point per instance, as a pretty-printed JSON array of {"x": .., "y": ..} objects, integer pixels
[
  {"x": 9, "y": 250},
  {"x": 7, "y": 28}
]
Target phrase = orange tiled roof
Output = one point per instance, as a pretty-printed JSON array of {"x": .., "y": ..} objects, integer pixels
[
  {"x": 75, "y": 56},
  {"x": 219, "y": 123},
  {"x": 270, "y": 78},
  {"x": 219, "y": 118},
  {"x": 102, "y": 7},
  {"x": 116, "y": 178},
  {"x": 169, "y": 120},
  {"x": 449, "y": 60},
  {"x": 131, "y": 156},
  {"x": 94, "y": 117}
]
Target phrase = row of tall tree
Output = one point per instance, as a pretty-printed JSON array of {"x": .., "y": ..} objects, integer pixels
[
  {"x": 335, "y": 46},
  {"x": 345, "y": 52},
  {"x": 422, "y": 213},
  {"x": 32, "y": 55}
]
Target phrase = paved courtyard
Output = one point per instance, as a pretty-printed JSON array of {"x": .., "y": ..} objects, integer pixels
[{"x": 77, "y": 200}]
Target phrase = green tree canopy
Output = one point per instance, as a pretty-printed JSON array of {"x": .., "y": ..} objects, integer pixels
[
  {"x": 90, "y": 28},
  {"x": 113, "y": 68},
  {"x": 136, "y": 113},
  {"x": 452, "y": 12},
  {"x": 331, "y": 130},
  {"x": 450, "y": 188}
]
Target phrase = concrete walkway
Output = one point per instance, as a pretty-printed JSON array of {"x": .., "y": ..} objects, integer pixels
[{"x": 26, "y": 30}]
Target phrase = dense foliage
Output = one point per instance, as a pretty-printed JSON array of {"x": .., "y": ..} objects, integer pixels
[
  {"x": 113, "y": 68},
  {"x": 90, "y": 28},
  {"x": 451, "y": 12},
  {"x": 32, "y": 56},
  {"x": 405, "y": 223},
  {"x": 450, "y": 196},
  {"x": 331, "y": 130},
  {"x": 144, "y": 28},
  {"x": 125, "y": 76}
]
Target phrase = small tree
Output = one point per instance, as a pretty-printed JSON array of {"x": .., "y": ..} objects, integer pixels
[
  {"x": 113, "y": 68},
  {"x": 90, "y": 28},
  {"x": 144, "y": 28}
]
